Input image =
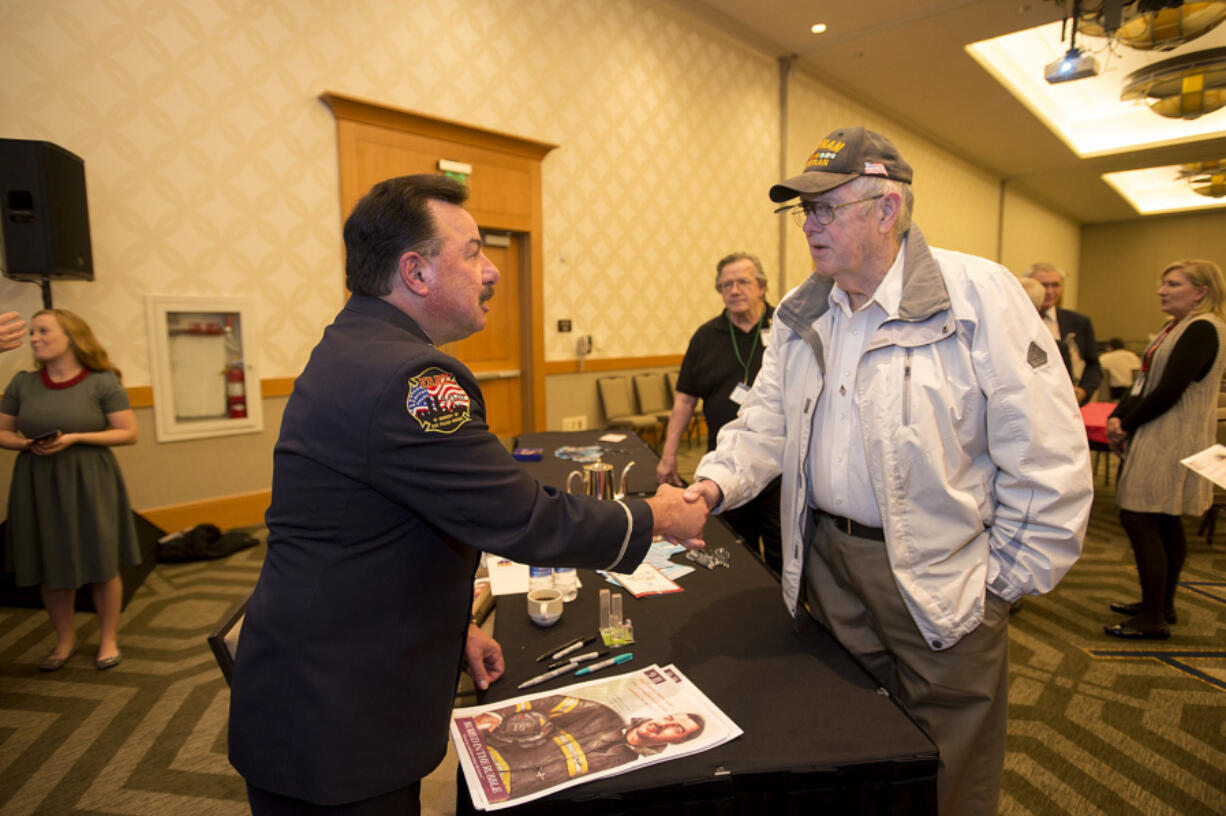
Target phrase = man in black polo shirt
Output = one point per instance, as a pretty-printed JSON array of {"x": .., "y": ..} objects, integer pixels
[{"x": 719, "y": 367}]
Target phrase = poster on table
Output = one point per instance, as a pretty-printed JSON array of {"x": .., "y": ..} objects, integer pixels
[{"x": 530, "y": 746}]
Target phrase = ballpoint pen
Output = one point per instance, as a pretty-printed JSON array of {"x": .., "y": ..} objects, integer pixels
[
  {"x": 549, "y": 675},
  {"x": 566, "y": 648},
  {"x": 549, "y": 654},
  {"x": 574, "y": 647},
  {"x": 612, "y": 661},
  {"x": 581, "y": 658}
]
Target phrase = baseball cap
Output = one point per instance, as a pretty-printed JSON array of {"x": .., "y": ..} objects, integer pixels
[{"x": 846, "y": 154}]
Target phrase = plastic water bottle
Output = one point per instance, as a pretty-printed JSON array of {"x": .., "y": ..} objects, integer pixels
[
  {"x": 565, "y": 581},
  {"x": 540, "y": 578}
]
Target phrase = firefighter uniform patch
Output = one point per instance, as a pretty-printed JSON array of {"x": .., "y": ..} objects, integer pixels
[{"x": 437, "y": 401}]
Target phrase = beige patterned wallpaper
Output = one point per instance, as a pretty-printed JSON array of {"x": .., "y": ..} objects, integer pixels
[
  {"x": 211, "y": 166},
  {"x": 211, "y": 163}
]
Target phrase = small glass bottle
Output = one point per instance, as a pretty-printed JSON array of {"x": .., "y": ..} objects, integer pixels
[
  {"x": 540, "y": 578},
  {"x": 615, "y": 619},
  {"x": 602, "y": 622},
  {"x": 567, "y": 582}
]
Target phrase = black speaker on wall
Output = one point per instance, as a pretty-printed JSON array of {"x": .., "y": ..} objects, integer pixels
[{"x": 45, "y": 215}]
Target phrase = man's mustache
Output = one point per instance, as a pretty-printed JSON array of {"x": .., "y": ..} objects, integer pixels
[{"x": 486, "y": 294}]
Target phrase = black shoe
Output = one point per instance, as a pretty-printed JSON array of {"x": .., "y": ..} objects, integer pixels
[
  {"x": 1134, "y": 609},
  {"x": 1127, "y": 630}
]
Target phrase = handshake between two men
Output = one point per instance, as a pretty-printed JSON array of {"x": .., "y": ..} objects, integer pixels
[{"x": 679, "y": 515}]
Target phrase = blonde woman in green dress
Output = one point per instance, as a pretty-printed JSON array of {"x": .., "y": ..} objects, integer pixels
[{"x": 69, "y": 520}]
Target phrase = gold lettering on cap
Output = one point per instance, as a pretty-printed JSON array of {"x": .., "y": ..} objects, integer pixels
[{"x": 826, "y": 152}]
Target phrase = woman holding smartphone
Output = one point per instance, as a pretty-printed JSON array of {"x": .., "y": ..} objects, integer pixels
[{"x": 69, "y": 521}]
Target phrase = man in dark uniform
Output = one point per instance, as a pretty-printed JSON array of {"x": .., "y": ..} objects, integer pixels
[
  {"x": 719, "y": 367},
  {"x": 541, "y": 743},
  {"x": 386, "y": 485}
]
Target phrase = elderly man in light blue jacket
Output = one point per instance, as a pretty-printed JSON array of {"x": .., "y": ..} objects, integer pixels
[{"x": 935, "y": 465}]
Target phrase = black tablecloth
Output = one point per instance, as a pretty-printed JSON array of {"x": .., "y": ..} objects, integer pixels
[
  {"x": 641, "y": 481},
  {"x": 818, "y": 732}
]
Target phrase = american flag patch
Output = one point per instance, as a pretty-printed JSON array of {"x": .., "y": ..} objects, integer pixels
[{"x": 437, "y": 401}]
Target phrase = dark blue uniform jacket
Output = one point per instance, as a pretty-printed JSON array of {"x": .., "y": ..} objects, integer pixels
[{"x": 386, "y": 485}]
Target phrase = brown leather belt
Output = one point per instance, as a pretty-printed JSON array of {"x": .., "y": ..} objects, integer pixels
[{"x": 846, "y": 525}]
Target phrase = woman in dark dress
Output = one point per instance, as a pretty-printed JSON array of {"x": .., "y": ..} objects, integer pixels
[
  {"x": 69, "y": 521},
  {"x": 1170, "y": 414}
]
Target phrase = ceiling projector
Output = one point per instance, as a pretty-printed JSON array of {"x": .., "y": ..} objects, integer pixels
[{"x": 1073, "y": 65}]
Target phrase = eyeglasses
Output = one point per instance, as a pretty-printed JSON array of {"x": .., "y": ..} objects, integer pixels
[
  {"x": 824, "y": 211},
  {"x": 729, "y": 285}
]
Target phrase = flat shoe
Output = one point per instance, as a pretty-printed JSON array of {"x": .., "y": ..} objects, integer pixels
[
  {"x": 104, "y": 663},
  {"x": 1126, "y": 630},
  {"x": 1134, "y": 609},
  {"x": 51, "y": 662}
]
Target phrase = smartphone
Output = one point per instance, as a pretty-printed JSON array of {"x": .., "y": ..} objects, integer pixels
[{"x": 44, "y": 436}]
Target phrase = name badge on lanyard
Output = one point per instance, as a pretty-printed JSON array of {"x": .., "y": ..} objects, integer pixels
[
  {"x": 1138, "y": 382},
  {"x": 741, "y": 391}
]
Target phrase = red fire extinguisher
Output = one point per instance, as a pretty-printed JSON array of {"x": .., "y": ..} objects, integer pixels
[{"x": 236, "y": 391}]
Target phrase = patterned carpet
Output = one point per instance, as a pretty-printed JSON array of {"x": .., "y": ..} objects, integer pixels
[{"x": 1097, "y": 726}]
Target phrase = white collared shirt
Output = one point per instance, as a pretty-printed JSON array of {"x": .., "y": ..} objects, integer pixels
[
  {"x": 838, "y": 467},
  {"x": 1049, "y": 320}
]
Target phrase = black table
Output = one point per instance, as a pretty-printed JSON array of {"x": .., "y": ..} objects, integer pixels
[
  {"x": 818, "y": 733},
  {"x": 641, "y": 481}
]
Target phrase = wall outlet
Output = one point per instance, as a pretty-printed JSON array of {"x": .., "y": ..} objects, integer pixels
[{"x": 575, "y": 423}]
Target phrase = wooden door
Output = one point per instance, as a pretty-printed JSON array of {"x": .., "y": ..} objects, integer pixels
[
  {"x": 494, "y": 354},
  {"x": 501, "y": 201}
]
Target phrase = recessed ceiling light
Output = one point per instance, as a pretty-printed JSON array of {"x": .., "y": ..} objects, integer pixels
[
  {"x": 1169, "y": 189},
  {"x": 817, "y": 28}
]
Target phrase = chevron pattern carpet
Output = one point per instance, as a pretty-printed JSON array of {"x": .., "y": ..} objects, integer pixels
[{"x": 1097, "y": 726}]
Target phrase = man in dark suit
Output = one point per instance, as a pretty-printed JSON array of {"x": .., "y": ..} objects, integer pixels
[
  {"x": 1071, "y": 329},
  {"x": 387, "y": 484}
]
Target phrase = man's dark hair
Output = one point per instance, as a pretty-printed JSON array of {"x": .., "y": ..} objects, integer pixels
[
  {"x": 1116, "y": 343},
  {"x": 390, "y": 220}
]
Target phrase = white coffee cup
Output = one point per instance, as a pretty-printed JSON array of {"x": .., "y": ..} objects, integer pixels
[{"x": 545, "y": 606}]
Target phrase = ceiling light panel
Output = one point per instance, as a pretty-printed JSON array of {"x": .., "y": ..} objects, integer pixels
[
  {"x": 1087, "y": 114},
  {"x": 1156, "y": 190}
]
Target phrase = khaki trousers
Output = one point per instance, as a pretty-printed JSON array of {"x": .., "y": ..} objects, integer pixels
[{"x": 959, "y": 696}]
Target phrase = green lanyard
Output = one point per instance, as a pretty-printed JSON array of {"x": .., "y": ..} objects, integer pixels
[{"x": 737, "y": 349}]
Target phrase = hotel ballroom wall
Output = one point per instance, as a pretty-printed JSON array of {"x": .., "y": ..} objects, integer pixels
[{"x": 212, "y": 170}]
